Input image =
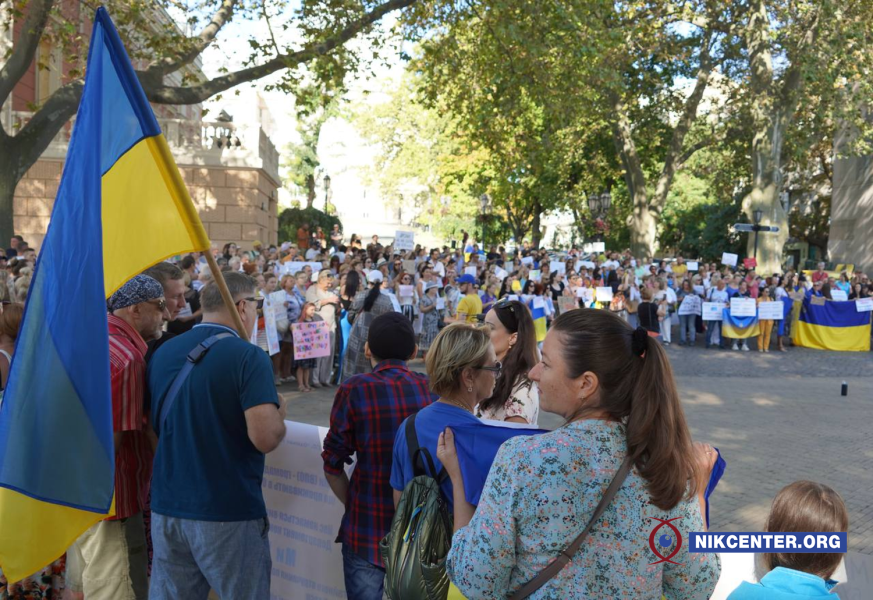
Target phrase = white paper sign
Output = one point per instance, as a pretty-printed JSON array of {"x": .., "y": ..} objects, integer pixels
[
  {"x": 536, "y": 275},
  {"x": 527, "y": 260},
  {"x": 839, "y": 295},
  {"x": 771, "y": 311},
  {"x": 691, "y": 305},
  {"x": 713, "y": 311},
  {"x": 743, "y": 307},
  {"x": 404, "y": 240},
  {"x": 276, "y": 300},
  {"x": 296, "y": 266},
  {"x": 584, "y": 264},
  {"x": 406, "y": 291},
  {"x": 698, "y": 289},
  {"x": 580, "y": 292},
  {"x": 513, "y": 297},
  {"x": 594, "y": 247},
  {"x": 471, "y": 271},
  {"x": 693, "y": 266},
  {"x": 729, "y": 259},
  {"x": 604, "y": 294},
  {"x": 440, "y": 303},
  {"x": 500, "y": 274},
  {"x": 538, "y": 302},
  {"x": 270, "y": 328},
  {"x": 304, "y": 518},
  {"x": 557, "y": 266},
  {"x": 864, "y": 304}
]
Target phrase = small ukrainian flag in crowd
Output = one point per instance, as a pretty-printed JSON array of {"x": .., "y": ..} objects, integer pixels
[{"x": 123, "y": 207}]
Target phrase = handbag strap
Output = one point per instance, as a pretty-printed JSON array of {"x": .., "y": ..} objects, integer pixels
[{"x": 555, "y": 567}]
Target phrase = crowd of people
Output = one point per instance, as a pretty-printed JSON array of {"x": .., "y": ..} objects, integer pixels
[{"x": 196, "y": 408}]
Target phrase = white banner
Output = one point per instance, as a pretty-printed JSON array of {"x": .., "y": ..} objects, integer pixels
[
  {"x": 583, "y": 264},
  {"x": 729, "y": 259},
  {"x": 270, "y": 328},
  {"x": 864, "y": 304},
  {"x": 294, "y": 267},
  {"x": 557, "y": 266},
  {"x": 472, "y": 271},
  {"x": 407, "y": 291},
  {"x": 501, "y": 274},
  {"x": 527, "y": 260},
  {"x": 839, "y": 295},
  {"x": 713, "y": 311},
  {"x": 771, "y": 311},
  {"x": 304, "y": 518},
  {"x": 594, "y": 247},
  {"x": 604, "y": 294},
  {"x": 404, "y": 240},
  {"x": 693, "y": 266},
  {"x": 691, "y": 305},
  {"x": 743, "y": 307}
]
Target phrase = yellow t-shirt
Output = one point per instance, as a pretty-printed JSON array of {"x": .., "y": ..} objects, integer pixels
[
  {"x": 470, "y": 305},
  {"x": 679, "y": 270}
]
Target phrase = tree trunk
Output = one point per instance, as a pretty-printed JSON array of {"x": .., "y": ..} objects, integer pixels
[
  {"x": 310, "y": 190},
  {"x": 8, "y": 182},
  {"x": 537, "y": 232},
  {"x": 644, "y": 225}
]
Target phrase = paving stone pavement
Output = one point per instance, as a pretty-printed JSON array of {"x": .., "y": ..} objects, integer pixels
[{"x": 776, "y": 418}]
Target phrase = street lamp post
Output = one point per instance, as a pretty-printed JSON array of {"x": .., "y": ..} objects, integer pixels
[
  {"x": 598, "y": 205},
  {"x": 757, "y": 215}
]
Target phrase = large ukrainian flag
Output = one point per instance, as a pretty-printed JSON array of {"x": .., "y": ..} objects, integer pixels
[
  {"x": 832, "y": 326},
  {"x": 121, "y": 208}
]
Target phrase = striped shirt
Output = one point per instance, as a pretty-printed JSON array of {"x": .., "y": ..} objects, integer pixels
[{"x": 133, "y": 458}]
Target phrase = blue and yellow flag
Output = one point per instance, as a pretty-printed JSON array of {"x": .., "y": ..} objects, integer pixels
[
  {"x": 539, "y": 318},
  {"x": 738, "y": 328},
  {"x": 832, "y": 326},
  {"x": 121, "y": 207}
]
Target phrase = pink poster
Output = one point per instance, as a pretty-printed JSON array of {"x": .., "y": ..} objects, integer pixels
[{"x": 311, "y": 340}]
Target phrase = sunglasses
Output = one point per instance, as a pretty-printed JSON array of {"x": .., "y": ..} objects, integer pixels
[
  {"x": 496, "y": 369},
  {"x": 505, "y": 302},
  {"x": 260, "y": 301},
  {"x": 161, "y": 304}
]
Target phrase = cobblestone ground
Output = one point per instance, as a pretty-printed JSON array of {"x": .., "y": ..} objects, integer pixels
[{"x": 776, "y": 418}]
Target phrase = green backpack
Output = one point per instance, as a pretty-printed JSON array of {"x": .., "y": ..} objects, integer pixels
[{"x": 415, "y": 549}]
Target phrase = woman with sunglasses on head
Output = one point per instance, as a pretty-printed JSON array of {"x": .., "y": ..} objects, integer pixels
[
  {"x": 624, "y": 423},
  {"x": 514, "y": 341}
]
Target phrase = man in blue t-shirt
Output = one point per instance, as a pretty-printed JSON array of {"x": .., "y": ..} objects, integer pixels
[{"x": 209, "y": 521}]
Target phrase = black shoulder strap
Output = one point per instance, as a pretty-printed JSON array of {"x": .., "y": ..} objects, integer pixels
[
  {"x": 194, "y": 357},
  {"x": 420, "y": 455}
]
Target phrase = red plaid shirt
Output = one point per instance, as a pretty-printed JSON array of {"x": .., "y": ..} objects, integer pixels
[
  {"x": 367, "y": 412},
  {"x": 133, "y": 458}
]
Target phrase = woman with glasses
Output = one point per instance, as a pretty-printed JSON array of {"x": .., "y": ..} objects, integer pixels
[
  {"x": 406, "y": 294},
  {"x": 513, "y": 338}
]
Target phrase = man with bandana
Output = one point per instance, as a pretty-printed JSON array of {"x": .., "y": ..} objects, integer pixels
[{"x": 109, "y": 560}]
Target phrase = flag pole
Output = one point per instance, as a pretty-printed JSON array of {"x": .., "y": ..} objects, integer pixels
[{"x": 225, "y": 294}]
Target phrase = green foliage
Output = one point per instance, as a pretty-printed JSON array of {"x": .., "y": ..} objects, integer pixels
[{"x": 291, "y": 219}]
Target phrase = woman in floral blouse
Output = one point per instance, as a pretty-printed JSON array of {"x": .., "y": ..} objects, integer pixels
[
  {"x": 615, "y": 387},
  {"x": 514, "y": 340}
]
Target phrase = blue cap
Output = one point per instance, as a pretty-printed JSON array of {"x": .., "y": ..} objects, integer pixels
[{"x": 465, "y": 278}]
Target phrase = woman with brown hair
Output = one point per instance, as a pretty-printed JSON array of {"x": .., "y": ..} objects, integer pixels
[
  {"x": 803, "y": 506},
  {"x": 624, "y": 423},
  {"x": 514, "y": 340}
]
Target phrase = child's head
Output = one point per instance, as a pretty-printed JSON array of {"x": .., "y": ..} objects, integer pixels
[
  {"x": 806, "y": 506},
  {"x": 307, "y": 312}
]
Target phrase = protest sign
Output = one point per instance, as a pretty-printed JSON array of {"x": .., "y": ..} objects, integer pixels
[
  {"x": 270, "y": 328},
  {"x": 691, "y": 305},
  {"x": 513, "y": 297},
  {"x": 604, "y": 294},
  {"x": 594, "y": 247},
  {"x": 713, "y": 311},
  {"x": 527, "y": 260},
  {"x": 584, "y": 264},
  {"x": 472, "y": 271},
  {"x": 557, "y": 266},
  {"x": 538, "y": 302},
  {"x": 404, "y": 240},
  {"x": 254, "y": 338},
  {"x": 292, "y": 268},
  {"x": 818, "y": 300},
  {"x": 771, "y": 311},
  {"x": 698, "y": 289},
  {"x": 864, "y": 304},
  {"x": 566, "y": 303},
  {"x": 501, "y": 274},
  {"x": 304, "y": 518},
  {"x": 693, "y": 266},
  {"x": 409, "y": 266},
  {"x": 743, "y": 307},
  {"x": 407, "y": 291},
  {"x": 839, "y": 295},
  {"x": 729, "y": 259},
  {"x": 440, "y": 303},
  {"x": 311, "y": 340},
  {"x": 750, "y": 263},
  {"x": 536, "y": 275},
  {"x": 276, "y": 300}
]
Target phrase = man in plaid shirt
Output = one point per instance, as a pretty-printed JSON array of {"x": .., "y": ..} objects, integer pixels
[{"x": 367, "y": 412}]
